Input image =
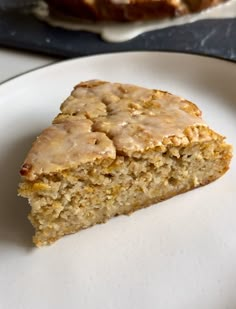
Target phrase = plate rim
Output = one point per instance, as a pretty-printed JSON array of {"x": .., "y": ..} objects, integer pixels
[
  {"x": 168, "y": 253},
  {"x": 61, "y": 62}
]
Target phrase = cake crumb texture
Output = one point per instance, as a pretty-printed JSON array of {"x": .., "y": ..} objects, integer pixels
[{"x": 113, "y": 149}]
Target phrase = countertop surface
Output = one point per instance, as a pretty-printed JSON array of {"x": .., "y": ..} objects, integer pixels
[{"x": 15, "y": 62}]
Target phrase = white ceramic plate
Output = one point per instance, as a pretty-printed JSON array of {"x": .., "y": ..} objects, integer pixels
[{"x": 175, "y": 255}]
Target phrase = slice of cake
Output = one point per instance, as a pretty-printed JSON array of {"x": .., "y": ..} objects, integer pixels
[{"x": 113, "y": 149}]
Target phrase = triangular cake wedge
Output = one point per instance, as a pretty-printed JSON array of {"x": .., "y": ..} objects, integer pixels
[{"x": 113, "y": 149}]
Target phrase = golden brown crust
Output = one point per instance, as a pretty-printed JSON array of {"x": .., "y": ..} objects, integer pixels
[
  {"x": 101, "y": 119},
  {"x": 66, "y": 145},
  {"x": 128, "y": 10}
]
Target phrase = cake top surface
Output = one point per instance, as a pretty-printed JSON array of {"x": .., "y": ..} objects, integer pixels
[{"x": 100, "y": 120}]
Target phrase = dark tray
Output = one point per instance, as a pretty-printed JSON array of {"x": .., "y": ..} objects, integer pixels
[{"x": 208, "y": 37}]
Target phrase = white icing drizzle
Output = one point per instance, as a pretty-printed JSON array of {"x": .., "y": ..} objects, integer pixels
[
  {"x": 100, "y": 119},
  {"x": 120, "y": 32}
]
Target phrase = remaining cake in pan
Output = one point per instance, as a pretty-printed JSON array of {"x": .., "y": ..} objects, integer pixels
[
  {"x": 113, "y": 149},
  {"x": 128, "y": 10}
]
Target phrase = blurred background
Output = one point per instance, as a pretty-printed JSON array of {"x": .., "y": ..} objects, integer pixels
[{"x": 23, "y": 33}]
